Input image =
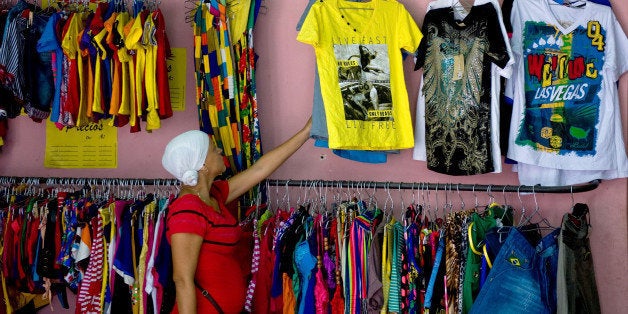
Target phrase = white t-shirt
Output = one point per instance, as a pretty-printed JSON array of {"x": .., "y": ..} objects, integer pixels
[{"x": 566, "y": 123}]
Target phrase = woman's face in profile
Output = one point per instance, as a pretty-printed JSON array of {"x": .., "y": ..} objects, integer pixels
[{"x": 214, "y": 161}]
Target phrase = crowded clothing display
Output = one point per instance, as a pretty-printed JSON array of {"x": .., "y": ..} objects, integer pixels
[
  {"x": 546, "y": 70},
  {"x": 351, "y": 254},
  {"x": 74, "y": 65},
  {"x": 108, "y": 247}
]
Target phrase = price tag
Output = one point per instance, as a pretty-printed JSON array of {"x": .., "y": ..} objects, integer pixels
[{"x": 458, "y": 67}]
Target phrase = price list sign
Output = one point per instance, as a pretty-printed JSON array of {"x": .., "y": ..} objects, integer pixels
[{"x": 91, "y": 146}]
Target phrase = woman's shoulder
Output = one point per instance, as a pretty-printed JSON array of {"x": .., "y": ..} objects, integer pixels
[{"x": 186, "y": 202}]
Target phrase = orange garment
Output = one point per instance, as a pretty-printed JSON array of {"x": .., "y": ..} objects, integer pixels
[
  {"x": 116, "y": 67},
  {"x": 289, "y": 301}
]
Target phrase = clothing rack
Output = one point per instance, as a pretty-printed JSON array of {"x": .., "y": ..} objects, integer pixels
[
  {"x": 89, "y": 181},
  {"x": 320, "y": 183},
  {"x": 439, "y": 186}
]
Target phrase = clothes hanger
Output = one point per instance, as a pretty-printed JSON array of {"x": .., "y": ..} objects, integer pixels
[
  {"x": 475, "y": 196},
  {"x": 543, "y": 223},
  {"x": 576, "y": 4},
  {"x": 449, "y": 195},
  {"x": 285, "y": 201},
  {"x": 388, "y": 212},
  {"x": 445, "y": 204},
  {"x": 506, "y": 207},
  {"x": 436, "y": 206},
  {"x": 461, "y": 7},
  {"x": 430, "y": 214}
]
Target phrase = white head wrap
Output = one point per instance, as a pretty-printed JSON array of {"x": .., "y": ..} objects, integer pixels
[{"x": 185, "y": 155}]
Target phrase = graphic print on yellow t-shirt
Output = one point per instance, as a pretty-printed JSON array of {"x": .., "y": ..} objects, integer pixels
[
  {"x": 358, "y": 55},
  {"x": 364, "y": 78}
]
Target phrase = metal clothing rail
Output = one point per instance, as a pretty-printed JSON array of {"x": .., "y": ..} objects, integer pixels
[
  {"x": 319, "y": 183},
  {"x": 130, "y": 182},
  {"x": 439, "y": 186}
]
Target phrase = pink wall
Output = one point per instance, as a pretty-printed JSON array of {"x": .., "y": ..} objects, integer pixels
[{"x": 285, "y": 80}]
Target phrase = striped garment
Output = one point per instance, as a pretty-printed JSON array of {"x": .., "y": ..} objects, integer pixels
[{"x": 88, "y": 299}]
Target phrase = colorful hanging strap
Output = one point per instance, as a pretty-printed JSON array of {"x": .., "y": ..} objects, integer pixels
[
  {"x": 439, "y": 257},
  {"x": 359, "y": 245}
]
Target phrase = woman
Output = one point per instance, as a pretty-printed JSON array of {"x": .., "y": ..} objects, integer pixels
[{"x": 201, "y": 230}]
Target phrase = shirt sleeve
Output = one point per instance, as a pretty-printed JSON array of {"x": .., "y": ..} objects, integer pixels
[
  {"x": 419, "y": 56},
  {"x": 48, "y": 40},
  {"x": 498, "y": 52},
  {"x": 185, "y": 216},
  {"x": 408, "y": 32},
  {"x": 309, "y": 33},
  {"x": 620, "y": 50}
]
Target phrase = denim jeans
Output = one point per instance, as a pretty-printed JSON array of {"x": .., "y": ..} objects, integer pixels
[
  {"x": 523, "y": 277},
  {"x": 577, "y": 290}
]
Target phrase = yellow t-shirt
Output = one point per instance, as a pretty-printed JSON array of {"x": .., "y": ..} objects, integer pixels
[
  {"x": 131, "y": 69},
  {"x": 358, "y": 54},
  {"x": 123, "y": 55},
  {"x": 114, "y": 104},
  {"x": 70, "y": 45},
  {"x": 102, "y": 54},
  {"x": 137, "y": 85},
  {"x": 152, "y": 94}
]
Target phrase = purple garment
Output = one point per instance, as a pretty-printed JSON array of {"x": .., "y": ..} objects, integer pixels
[{"x": 86, "y": 39}]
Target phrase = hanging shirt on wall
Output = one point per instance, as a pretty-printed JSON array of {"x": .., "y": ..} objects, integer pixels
[
  {"x": 566, "y": 122},
  {"x": 48, "y": 43},
  {"x": 458, "y": 103},
  {"x": 319, "y": 121},
  {"x": 357, "y": 47}
]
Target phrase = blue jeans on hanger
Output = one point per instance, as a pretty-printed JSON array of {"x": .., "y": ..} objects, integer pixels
[{"x": 523, "y": 277}]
